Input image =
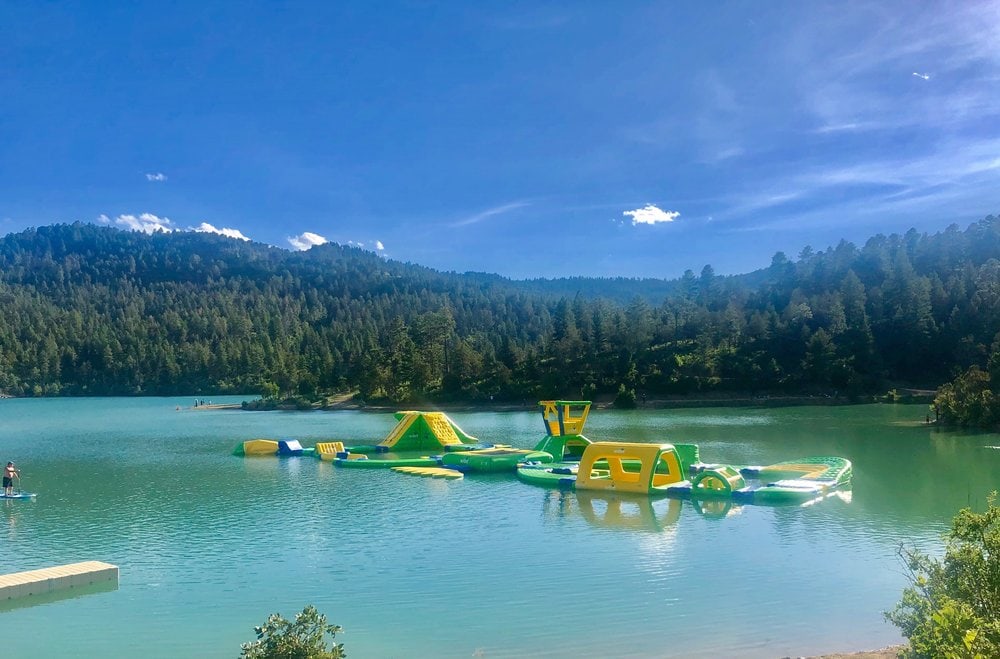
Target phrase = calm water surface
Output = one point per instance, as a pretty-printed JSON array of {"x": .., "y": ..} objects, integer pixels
[{"x": 210, "y": 544}]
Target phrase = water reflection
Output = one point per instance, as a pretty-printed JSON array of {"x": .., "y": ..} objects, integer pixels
[
  {"x": 649, "y": 514},
  {"x": 638, "y": 514},
  {"x": 715, "y": 509},
  {"x": 12, "y": 509},
  {"x": 652, "y": 521},
  {"x": 58, "y": 595},
  {"x": 627, "y": 513}
]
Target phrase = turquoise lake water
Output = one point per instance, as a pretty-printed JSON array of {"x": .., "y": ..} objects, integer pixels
[{"x": 209, "y": 544}]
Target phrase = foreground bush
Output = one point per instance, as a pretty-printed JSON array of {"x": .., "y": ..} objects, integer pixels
[
  {"x": 952, "y": 608},
  {"x": 305, "y": 638}
]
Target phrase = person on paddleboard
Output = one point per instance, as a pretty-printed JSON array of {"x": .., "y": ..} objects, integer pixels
[{"x": 9, "y": 474}]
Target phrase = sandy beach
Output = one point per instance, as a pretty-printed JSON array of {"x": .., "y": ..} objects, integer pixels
[{"x": 890, "y": 652}]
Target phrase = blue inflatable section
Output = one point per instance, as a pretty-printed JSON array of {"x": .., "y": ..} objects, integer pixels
[{"x": 289, "y": 447}]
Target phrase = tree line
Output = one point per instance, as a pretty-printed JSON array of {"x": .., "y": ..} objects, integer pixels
[{"x": 91, "y": 310}]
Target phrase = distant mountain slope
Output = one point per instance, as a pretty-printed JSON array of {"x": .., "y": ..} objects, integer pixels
[{"x": 94, "y": 310}]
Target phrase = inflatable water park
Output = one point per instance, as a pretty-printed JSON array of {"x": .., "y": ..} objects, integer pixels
[{"x": 432, "y": 445}]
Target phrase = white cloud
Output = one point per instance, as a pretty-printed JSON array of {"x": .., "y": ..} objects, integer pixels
[
  {"x": 925, "y": 76},
  {"x": 306, "y": 240},
  {"x": 361, "y": 244},
  {"x": 650, "y": 214},
  {"x": 205, "y": 227},
  {"x": 146, "y": 223},
  {"x": 150, "y": 223},
  {"x": 158, "y": 177}
]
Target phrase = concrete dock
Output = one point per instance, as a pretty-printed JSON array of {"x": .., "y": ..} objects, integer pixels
[{"x": 61, "y": 577}]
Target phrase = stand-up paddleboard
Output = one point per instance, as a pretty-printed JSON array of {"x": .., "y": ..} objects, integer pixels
[{"x": 18, "y": 495}]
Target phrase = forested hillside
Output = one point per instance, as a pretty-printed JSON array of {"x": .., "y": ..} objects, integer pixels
[{"x": 93, "y": 310}]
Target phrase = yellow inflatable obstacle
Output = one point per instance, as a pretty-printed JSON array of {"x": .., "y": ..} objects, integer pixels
[
  {"x": 257, "y": 447},
  {"x": 564, "y": 417},
  {"x": 422, "y": 431},
  {"x": 632, "y": 467},
  {"x": 414, "y": 435},
  {"x": 564, "y": 421},
  {"x": 329, "y": 450},
  {"x": 429, "y": 472}
]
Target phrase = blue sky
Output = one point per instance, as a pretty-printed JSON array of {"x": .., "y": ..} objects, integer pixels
[{"x": 524, "y": 138}]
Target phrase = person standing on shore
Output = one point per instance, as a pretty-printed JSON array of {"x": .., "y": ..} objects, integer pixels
[{"x": 9, "y": 474}]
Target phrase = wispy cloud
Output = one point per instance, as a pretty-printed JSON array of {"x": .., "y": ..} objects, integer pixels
[
  {"x": 955, "y": 173},
  {"x": 491, "y": 212},
  {"x": 144, "y": 222},
  {"x": 650, "y": 214},
  {"x": 714, "y": 131},
  {"x": 726, "y": 153},
  {"x": 535, "y": 18},
  {"x": 859, "y": 139},
  {"x": 953, "y": 161},
  {"x": 749, "y": 203},
  {"x": 306, "y": 240},
  {"x": 856, "y": 87},
  {"x": 951, "y": 201},
  {"x": 850, "y": 126},
  {"x": 158, "y": 177},
  {"x": 205, "y": 227}
]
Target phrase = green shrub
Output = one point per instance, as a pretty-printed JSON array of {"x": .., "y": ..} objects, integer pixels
[
  {"x": 952, "y": 607},
  {"x": 305, "y": 638},
  {"x": 969, "y": 400},
  {"x": 625, "y": 398},
  {"x": 269, "y": 390}
]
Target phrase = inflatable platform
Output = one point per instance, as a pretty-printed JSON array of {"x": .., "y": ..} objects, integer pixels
[
  {"x": 492, "y": 460},
  {"x": 667, "y": 469},
  {"x": 282, "y": 447},
  {"x": 673, "y": 470}
]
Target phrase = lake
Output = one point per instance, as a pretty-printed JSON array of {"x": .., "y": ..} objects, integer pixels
[{"x": 209, "y": 544}]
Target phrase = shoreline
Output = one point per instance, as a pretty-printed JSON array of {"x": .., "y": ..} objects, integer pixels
[
  {"x": 601, "y": 403},
  {"x": 604, "y": 402},
  {"x": 890, "y": 652}
]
